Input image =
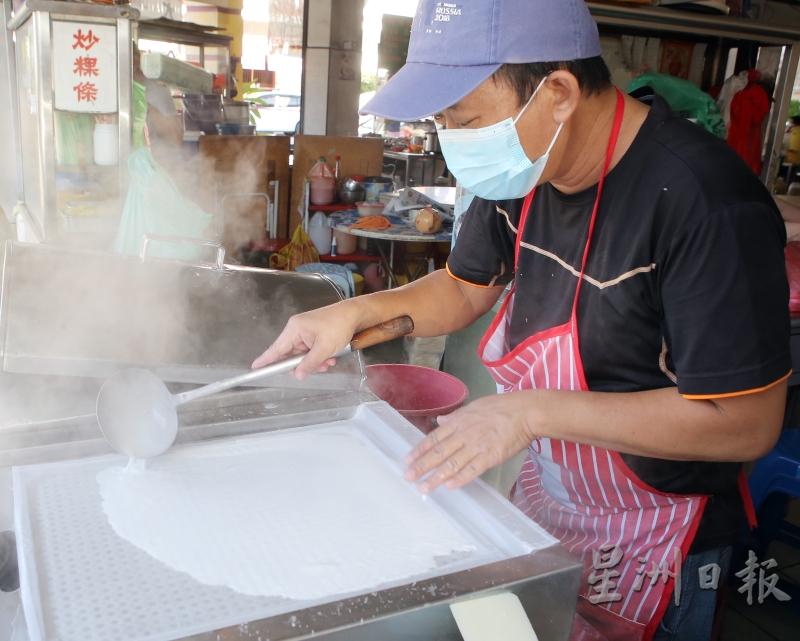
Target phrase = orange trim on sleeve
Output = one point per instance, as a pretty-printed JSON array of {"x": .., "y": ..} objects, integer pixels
[
  {"x": 709, "y": 397},
  {"x": 466, "y": 282}
]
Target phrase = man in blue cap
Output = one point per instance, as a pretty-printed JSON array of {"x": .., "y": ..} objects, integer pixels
[{"x": 643, "y": 339}]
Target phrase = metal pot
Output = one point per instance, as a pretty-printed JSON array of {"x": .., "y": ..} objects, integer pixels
[
  {"x": 351, "y": 192},
  {"x": 236, "y": 112},
  {"x": 432, "y": 142},
  {"x": 201, "y": 112}
]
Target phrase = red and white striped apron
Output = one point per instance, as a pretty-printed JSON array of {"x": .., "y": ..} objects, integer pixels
[{"x": 585, "y": 496}]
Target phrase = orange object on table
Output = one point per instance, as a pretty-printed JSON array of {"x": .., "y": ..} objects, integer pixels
[{"x": 372, "y": 223}]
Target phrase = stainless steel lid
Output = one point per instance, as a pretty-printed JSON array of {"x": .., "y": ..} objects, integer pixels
[{"x": 70, "y": 318}]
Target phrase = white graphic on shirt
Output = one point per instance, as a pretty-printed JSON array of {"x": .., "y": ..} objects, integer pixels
[{"x": 644, "y": 269}]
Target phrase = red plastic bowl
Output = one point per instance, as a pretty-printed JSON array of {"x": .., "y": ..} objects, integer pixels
[{"x": 419, "y": 393}]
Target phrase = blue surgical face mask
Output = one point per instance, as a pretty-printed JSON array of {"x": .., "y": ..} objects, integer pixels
[{"x": 490, "y": 161}]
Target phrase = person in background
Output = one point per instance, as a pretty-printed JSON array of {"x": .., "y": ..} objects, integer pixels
[
  {"x": 643, "y": 344},
  {"x": 164, "y": 129}
]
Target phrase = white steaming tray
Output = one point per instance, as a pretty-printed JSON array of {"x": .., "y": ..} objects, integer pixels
[{"x": 82, "y": 582}]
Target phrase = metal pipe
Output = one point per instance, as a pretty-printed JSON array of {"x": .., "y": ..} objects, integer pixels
[
  {"x": 779, "y": 112},
  {"x": 276, "y": 203},
  {"x": 124, "y": 104},
  {"x": 13, "y": 99},
  {"x": 43, "y": 72}
]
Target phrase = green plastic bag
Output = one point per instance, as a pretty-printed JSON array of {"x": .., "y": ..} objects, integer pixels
[
  {"x": 74, "y": 134},
  {"x": 139, "y": 115},
  {"x": 685, "y": 99},
  {"x": 155, "y": 207}
]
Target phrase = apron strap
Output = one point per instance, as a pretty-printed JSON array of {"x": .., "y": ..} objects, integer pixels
[
  {"x": 528, "y": 202},
  {"x": 612, "y": 146},
  {"x": 747, "y": 499},
  {"x": 526, "y": 209}
]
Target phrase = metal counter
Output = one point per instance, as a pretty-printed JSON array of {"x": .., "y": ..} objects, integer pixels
[{"x": 51, "y": 333}]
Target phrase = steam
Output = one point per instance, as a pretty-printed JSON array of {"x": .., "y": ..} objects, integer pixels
[
  {"x": 67, "y": 329},
  {"x": 227, "y": 190},
  {"x": 73, "y": 317},
  {"x": 229, "y": 187}
]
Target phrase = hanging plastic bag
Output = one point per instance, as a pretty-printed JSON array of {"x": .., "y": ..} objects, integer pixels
[
  {"x": 138, "y": 115},
  {"x": 154, "y": 206},
  {"x": 73, "y": 139},
  {"x": 685, "y": 99},
  {"x": 299, "y": 251}
]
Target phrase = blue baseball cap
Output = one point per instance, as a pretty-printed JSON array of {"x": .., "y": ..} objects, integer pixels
[{"x": 457, "y": 45}]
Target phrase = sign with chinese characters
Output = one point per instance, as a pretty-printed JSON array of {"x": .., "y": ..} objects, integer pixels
[{"x": 85, "y": 67}]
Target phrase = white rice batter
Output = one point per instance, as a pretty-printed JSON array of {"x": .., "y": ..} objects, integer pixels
[{"x": 300, "y": 515}]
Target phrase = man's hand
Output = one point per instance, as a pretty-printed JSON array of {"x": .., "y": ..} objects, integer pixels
[
  {"x": 656, "y": 423},
  {"x": 470, "y": 441},
  {"x": 319, "y": 334}
]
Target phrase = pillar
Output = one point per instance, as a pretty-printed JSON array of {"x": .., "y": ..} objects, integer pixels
[{"x": 332, "y": 66}]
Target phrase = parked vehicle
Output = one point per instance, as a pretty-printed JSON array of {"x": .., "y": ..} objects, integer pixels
[{"x": 275, "y": 111}]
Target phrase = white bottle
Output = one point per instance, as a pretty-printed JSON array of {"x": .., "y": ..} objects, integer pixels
[
  {"x": 106, "y": 143},
  {"x": 320, "y": 232}
]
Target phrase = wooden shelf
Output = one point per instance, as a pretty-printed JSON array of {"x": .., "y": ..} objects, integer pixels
[{"x": 688, "y": 23}]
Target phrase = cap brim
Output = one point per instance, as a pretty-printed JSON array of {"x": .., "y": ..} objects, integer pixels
[{"x": 421, "y": 89}]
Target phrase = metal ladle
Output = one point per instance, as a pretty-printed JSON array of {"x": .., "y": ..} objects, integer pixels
[{"x": 139, "y": 416}]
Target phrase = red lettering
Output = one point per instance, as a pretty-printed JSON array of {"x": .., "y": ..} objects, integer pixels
[
  {"x": 85, "y": 66},
  {"x": 85, "y": 92},
  {"x": 84, "y": 40}
]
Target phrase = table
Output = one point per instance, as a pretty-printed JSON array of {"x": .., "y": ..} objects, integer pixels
[{"x": 400, "y": 231}]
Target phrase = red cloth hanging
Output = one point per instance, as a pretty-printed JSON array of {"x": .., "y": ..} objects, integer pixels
[{"x": 749, "y": 108}]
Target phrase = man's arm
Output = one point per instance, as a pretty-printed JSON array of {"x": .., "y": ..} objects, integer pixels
[
  {"x": 659, "y": 423},
  {"x": 438, "y": 303},
  {"x": 663, "y": 424}
]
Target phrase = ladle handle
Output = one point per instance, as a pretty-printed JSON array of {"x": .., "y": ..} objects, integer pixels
[
  {"x": 387, "y": 331},
  {"x": 382, "y": 333}
]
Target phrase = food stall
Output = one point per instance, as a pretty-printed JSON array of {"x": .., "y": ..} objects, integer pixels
[
  {"x": 73, "y": 88},
  {"x": 192, "y": 323},
  {"x": 283, "y": 529},
  {"x": 78, "y": 114}
]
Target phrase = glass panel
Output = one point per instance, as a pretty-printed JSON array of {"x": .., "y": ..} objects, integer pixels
[
  {"x": 272, "y": 49},
  {"x": 387, "y": 28},
  {"x": 28, "y": 120}
]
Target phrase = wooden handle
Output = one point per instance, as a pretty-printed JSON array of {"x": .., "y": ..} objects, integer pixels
[{"x": 387, "y": 331}]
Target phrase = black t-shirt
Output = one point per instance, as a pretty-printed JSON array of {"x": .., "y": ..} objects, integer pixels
[{"x": 685, "y": 284}]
